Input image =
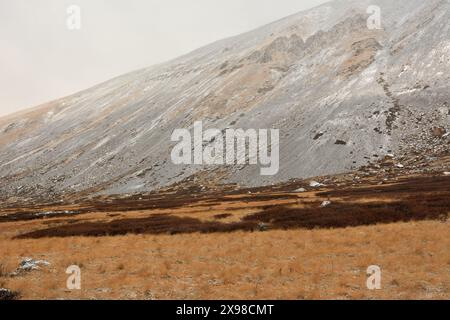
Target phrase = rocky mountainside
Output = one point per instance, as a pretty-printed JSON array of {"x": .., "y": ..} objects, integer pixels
[{"x": 342, "y": 96}]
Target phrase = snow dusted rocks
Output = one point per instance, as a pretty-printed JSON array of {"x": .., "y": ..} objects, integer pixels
[
  {"x": 55, "y": 213},
  {"x": 315, "y": 184},
  {"x": 29, "y": 264}
]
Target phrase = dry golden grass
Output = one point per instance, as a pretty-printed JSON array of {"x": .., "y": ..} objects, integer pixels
[{"x": 298, "y": 264}]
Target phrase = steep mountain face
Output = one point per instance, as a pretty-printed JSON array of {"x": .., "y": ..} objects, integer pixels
[{"x": 342, "y": 95}]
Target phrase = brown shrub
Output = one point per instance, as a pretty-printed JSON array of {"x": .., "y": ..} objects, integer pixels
[{"x": 156, "y": 224}]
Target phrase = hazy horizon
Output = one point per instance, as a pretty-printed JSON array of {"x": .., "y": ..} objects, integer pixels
[{"x": 42, "y": 60}]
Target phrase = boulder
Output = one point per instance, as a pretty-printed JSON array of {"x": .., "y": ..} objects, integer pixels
[
  {"x": 325, "y": 204},
  {"x": 315, "y": 184}
]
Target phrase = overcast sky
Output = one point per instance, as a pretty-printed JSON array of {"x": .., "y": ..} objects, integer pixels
[{"x": 41, "y": 59}]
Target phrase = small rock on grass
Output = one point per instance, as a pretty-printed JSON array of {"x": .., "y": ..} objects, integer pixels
[
  {"x": 315, "y": 184},
  {"x": 29, "y": 264},
  {"x": 325, "y": 204}
]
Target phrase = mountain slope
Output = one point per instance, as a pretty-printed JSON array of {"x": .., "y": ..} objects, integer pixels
[{"x": 342, "y": 95}]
